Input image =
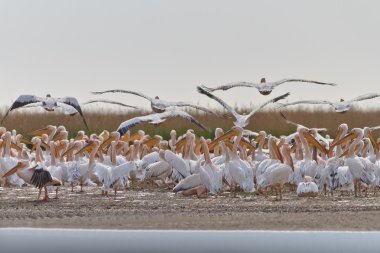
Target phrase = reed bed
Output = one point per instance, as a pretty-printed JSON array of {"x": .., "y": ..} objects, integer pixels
[{"x": 25, "y": 121}]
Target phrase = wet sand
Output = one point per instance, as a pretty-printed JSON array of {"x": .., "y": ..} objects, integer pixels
[{"x": 158, "y": 208}]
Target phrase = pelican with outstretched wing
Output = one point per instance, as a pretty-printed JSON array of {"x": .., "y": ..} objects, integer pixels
[
  {"x": 340, "y": 106},
  {"x": 158, "y": 105},
  {"x": 157, "y": 118},
  {"x": 69, "y": 105},
  {"x": 240, "y": 120},
  {"x": 265, "y": 87}
]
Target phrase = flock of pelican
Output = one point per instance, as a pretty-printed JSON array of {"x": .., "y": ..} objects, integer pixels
[{"x": 237, "y": 160}]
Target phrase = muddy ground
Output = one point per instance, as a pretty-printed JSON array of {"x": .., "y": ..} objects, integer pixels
[{"x": 158, "y": 208}]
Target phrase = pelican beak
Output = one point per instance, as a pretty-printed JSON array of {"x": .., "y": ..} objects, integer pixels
[
  {"x": 344, "y": 153},
  {"x": 40, "y": 132},
  {"x": 289, "y": 157},
  {"x": 69, "y": 151},
  {"x": 135, "y": 137},
  {"x": 181, "y": 143},
  {"x": 15, "y": 146},
  {"x": 105, "y": 135},
  {"x": 150, "y": 143},
  {"x": 337, "y": 137},
  {"x": 18, "y": 166},
  {"x": 313, "y": 141},
  {"x": 58, "y": 137},
  {"x": 346, "y": 138},
  {"x": 259, "y": 138},
  {"x": 246, "y": 143},
  {"x": 373, "y": 142},
  {"x": 229, "y": 134},
  {"x": 44, "y": 145},
  {"x": 126, "y": 137},
  {"x": 107, "y": 142},
  {"x": 229, "y": 144},
  {"x": 25, "y": 140},
  {"x": 88, "y": 147},
  {"x": 33, "y": 148},
  {"x": 277, "y": 152},
  {"x": 78, "y": 137}
]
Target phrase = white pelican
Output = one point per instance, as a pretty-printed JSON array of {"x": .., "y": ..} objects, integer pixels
[
  {"x": 157, "y": 118},
  {"x": 36, "y": 176},
  {"x": 307, "y": 188},
  {"x": 264, "y": 87},
  {"x": 354, "y": 163},
  {"x": 158, "y": 105},
  {"x": 340, "y": 106},
  {"x": 240, "y": 120},
  {"x": 69, "y": 104},
  {"x": 277, "y": 174}
]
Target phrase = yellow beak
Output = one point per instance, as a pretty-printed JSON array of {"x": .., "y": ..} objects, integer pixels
[
  {"x": 229, "y": 134},
  {"x": 313, "y": 141},
  {"x": 40, "y": 132}
]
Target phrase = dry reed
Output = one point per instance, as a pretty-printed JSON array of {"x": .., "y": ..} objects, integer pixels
[{"x": 25, "y": 121}]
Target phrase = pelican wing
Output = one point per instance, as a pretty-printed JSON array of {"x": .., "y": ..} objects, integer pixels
[
  {"x": 299, "y": 125},
  {"x": 365, "y": 97},
  {"x": 182, "y": 104},
  {"x": 273, "y": 100},
  {"x": 22, "y": 101},
  {"x": 122, "y": 170},
  {"x": 233, "y": 85},
  {"x": 181, "y": 114},
  {"x": 41, "y": 177},
  {"x": 124, "y": 91},
  {"x": 128, "y": 124},
  {"x": 313, "y": 102},
  {"x": 102, "y": 172},
  {"x": 177, "y": 163},
  {"x": 300, "y": 80},
  {"x": 188, "y": 183},
  {"x": 73, "y": 102},
  {"x": 67, "y": 109},
  {"x": 108, "y": 102},
  {"x": 203, "y": 90}
]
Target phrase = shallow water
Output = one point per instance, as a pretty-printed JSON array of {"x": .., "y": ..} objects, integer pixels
[{"x": 79, "y": 240}]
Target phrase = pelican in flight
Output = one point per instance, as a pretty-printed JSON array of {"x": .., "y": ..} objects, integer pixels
[
  {"x": 240, "y": 120},
  {"x": 340, "y": 106},
  {"x": 69, "y": 105},
  {"x": 264, "y": 87},
  {"x": 158, "y": 105},
  {"x": 156, "y": 119}
]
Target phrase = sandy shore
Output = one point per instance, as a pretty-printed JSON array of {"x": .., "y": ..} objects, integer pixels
[{"x": 160, "y": 209}]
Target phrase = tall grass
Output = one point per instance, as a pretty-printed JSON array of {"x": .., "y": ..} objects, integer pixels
[{"x": 25, "y": 121}]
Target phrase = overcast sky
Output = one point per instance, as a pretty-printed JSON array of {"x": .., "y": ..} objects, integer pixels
[{"x": 166, "y": 48}]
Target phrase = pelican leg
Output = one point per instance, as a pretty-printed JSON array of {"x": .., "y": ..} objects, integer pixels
[
  {"x": 39, "y": 193},
  {"x": 56, "y": 193},
  {"x": 81, "y": 187},
  {"x": 46, "y": 198},
  {"x": 280, "y": 189},
  {"x": 325, "y": 189},
  {"x": 115, "y": 194}
]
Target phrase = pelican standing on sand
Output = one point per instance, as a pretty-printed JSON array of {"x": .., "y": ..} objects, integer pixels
[
  {"x": 70, "y": 105},
  {"x": 264, "y": 87}
]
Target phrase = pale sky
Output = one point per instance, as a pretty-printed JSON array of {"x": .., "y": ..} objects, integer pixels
[{"x": 167, "y": 48}]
